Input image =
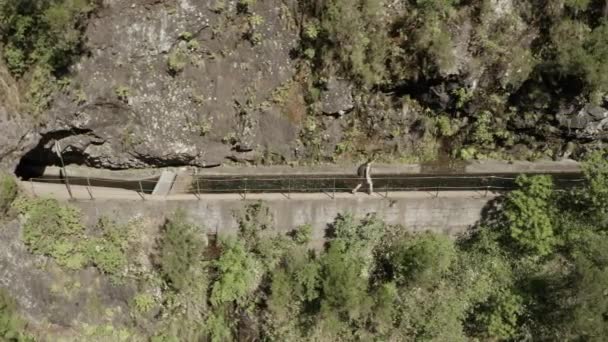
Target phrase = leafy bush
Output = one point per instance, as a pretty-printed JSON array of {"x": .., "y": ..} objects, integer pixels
[
  {"x": 45, "y": 32},
  {"x": 528, "y": 213},
  {"x": 303, "y": 234},
  {"x": 181, "y": 250},
  {"x": 502, "y": 318},
  {"x": 52, "y": 229},
  {"x": 348, "y": 37},
  {"x": 123, "y": 93},
  {"x": 12, "y": 327},
  {"x": 8, "y": 192},
  {"x": 45, "y": 36},
  {"x": 143, "y": 303},
  {"x": 595, "y": 168},
  {"x": 238, "y": 274},
  {"x": 423, "y": 258},
  {"x": 177, "y": 61},
  {"x": 581, "y": 51}
]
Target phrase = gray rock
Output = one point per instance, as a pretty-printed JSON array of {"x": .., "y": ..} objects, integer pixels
[
  {"x": 338, "y": 98},
  {"x": 590, "y": 122},
  {"x": 169, "y": 120}
]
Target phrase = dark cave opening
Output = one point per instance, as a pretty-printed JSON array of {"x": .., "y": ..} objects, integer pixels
[{"x": 34, "y": 163}]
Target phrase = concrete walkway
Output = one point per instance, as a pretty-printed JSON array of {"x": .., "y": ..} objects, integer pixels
[{"x": 83, "y": 193}]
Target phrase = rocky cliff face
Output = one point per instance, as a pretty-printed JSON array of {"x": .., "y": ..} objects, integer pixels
[
  {"x": 177, "y": 84},
  {"x": 167, "y": 83}
]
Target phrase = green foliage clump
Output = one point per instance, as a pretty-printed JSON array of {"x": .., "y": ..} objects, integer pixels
[
  {"x": 504, "y": 310},
  {"x": 181, "y": 252},
  {"x": 303, "y": 234},
  {"x": 528, "y": 211},
  {"x": 423, "y": 258},
  {"x": 12, "y": 326},
  {"x": 44, "y": 37},
  {"x": 52, "y": 229},
  {"x": 238, "y": 274},
  {"x": 123, "y": 93},
  {"x": 45, "y": 32},
  {"x": 177, "y": 61},
  {"x": 595, "y": 168},
  {"x": 581, "y": 51},
  {"x": 8, "y": 192},
  {"x": 109, "y": 250},
  {"x": 143, "y": 303},
  {"x": 348, "y": 37}
]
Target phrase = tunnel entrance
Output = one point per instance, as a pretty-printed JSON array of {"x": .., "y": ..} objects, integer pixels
[{"x": 34, "y": 163}]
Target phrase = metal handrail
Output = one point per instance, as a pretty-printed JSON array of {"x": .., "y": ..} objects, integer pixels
[{"x": 287, "y": 184}]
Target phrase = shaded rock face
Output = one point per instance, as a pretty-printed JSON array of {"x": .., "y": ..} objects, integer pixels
[
  {"x": 590, "y": 122},
  {"x": 136, "y": 109},
  {"x": 16, "y": 131}
]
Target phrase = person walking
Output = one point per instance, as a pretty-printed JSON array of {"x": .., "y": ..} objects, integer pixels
[{"x": 365, "y": 175}]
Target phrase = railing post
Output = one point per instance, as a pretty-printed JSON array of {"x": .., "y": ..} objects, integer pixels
[
  {"x": 33, "y": 191},
  {"x": 141, "y": 193},
  {"x": 486, "y": 194},
  {"x": 437, "y": 192},
  {"x": 198, "y": 190},
  {"x": 334, "y": 179},
  {"x": 89, "y": 188},
  {"x": 245, "y": 191},
  {"x": 388, "y": 182},
  {"x": 289, "y": 188}
]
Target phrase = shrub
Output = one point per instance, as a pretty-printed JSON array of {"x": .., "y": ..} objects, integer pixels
[
  {"x": 123, "y": 93},
  {"x": 423, "y": 259},
  {"x": 238, "y": 274},
  {"x": 349, "y": 37},
  {"x": 12, "y": 327},
  {"x": 528, "y": 213},
  {"x": 595, "y": 168},
  {"x": 182, "y": 250},
  {"x": 177, "y": 61},
  {"x": 303, "y": 234},
  {"x": 582, "y": 52},
  {"x": 501, "y": 320},
  {"x": 42, "y": 32},
  {"x": 8, "y": 192},
  {"x": 143, "y": 303},
  {"x": 45, "y": 35},
  {"x": 50, "y": 228}
]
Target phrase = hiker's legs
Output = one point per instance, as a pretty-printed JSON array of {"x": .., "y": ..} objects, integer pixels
[{"x": 370, "y": 185}]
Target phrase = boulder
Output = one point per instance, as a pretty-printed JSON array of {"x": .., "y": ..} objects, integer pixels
[{"x": 337, "y": 99}]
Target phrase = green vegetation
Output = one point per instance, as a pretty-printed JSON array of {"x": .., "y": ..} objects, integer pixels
[
  {"x": 347, "y": 37},
  {"x": 177, "y": 61},
  {"x": 56, "y": 230},
  {"x": 8, "y": 192},
  {"x": 12, "y": 327},
  {"x": 181, "y": 252},
  {"x": 123, "y": 93},
  {"x": 535, "y": 267},
  {"x": 143, "y": 303},
  {"x": 42, "y": 38}
]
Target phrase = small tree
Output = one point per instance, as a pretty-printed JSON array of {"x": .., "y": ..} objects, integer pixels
[
  {"x": 595, "y": 168},
  {"x": 181, "y": 252},
  {"x": 422, "y": 259},
  {"x": 239, "y": 274},
  {"x": 528, "y": 212}
]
